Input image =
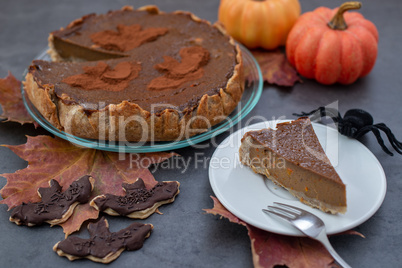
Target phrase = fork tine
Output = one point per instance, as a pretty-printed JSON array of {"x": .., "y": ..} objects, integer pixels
[
  {"x": 308, "y": 223},
  {"x": 291, "y": 207},
  {"x": 281, "y": 215},
  {"x": 284, "y": 217},
  {"x": 284, "y": 211}
]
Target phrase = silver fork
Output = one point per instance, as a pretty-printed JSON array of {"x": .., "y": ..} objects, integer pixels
[{"x": 308, "y": 224}]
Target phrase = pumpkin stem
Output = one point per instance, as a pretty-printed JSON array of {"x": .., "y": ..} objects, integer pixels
[{"x": 338, "y": 21}]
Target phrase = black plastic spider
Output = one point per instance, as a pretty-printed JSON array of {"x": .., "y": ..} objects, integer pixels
[{"x": 355, "y": 124}]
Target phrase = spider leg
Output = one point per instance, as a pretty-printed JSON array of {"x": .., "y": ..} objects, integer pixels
[
  {"x": 397, "y": 145},
  {"x": 359, "y": 133},
  {"x": 309, "y": 113},
  {"x": 324, "y": 111},
  {"x": 377, "y": 134}
]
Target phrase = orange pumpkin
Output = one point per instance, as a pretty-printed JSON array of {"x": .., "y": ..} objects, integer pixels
[
  {"x": 259, "y": 23},
  {"x": 340, "y": 49}
]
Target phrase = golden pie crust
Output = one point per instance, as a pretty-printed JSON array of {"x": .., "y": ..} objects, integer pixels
[{"x": 166, "y": 125}]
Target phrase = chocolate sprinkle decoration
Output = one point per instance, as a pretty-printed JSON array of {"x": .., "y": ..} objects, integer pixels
[{"x": 137, "y": 197}]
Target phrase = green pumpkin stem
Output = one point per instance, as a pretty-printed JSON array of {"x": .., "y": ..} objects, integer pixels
[{"x": 338, "y": 21}]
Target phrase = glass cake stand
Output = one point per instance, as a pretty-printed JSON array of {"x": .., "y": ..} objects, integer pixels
[{"x": 251, "y": 95}]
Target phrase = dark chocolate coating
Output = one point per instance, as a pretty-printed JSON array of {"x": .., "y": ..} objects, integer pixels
[
  {"x": 102, "y": 242},
  {"x": 137, "y": 197},
  {"x": 54, "y": 203}
]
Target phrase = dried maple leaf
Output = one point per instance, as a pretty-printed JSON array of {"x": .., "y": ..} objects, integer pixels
[
  {"x": 54, "y": 158},
  {"x": 275, "y": 68},
  {"x": 219, "y": 209},
  {"x": 269, "y": 249},
  {"x": 11, "y": 101}
]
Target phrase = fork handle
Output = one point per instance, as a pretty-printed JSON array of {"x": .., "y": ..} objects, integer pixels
[{"x": 322, "y": 237}]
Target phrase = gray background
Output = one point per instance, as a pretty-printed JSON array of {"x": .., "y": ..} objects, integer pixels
[{"x": 184, "y": 236}]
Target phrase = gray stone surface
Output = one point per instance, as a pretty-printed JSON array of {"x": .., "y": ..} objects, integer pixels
[{"x": 184, "y": 236}]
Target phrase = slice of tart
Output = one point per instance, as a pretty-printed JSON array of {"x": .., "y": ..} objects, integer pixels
[
  {"x": 137, "y": 75},
  {"x": 292, "y": 157}
]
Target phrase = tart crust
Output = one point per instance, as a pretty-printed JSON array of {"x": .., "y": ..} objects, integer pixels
[{"x": 114, "y": 122}]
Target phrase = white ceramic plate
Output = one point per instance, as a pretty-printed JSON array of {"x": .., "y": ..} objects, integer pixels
[{"x": 244, "y": 193}]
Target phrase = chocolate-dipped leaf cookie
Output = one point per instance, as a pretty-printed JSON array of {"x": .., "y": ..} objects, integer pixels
[
  {"x": 56, "y": 206},
  {"x": 104, "y": 246},
  {"x": 138, "y": 202}
]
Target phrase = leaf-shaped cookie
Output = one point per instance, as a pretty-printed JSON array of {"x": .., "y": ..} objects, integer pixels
[
  {"x": 138, "y": 202},
  {"x": 53, "y": 158},
  {"x": 104, "y": 246},
  {"x": 56, "y": 206}
]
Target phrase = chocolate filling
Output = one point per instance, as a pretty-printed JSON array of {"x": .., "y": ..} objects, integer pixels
[
  {"x": 292, "y": 157},
  {"x": 178, "y": 73},
  {"x": 126, "y": 37},
  {"x": 297, "y": 143},
  {"x": 102, "y": 77},
  {"x": 182, "y": 32}
]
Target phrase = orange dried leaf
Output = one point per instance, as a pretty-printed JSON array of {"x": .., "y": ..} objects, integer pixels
[
  {"x": 269, "y": 249},
  {"x": 275, "y": 68},
  {"x": 219, "y": 209},
  {"x": 11, "y": 101},
  {"x": 81, "y": 213},
  {"x": 53, "y": 158}
]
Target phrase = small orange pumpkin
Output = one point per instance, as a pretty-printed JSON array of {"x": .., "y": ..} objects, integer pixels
[
  {"x": 340, "y": 49},
  {"x": 259, "y": 23}
]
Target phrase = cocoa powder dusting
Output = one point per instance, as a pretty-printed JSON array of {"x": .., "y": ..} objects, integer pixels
[
  {"x": 177, "y": 73},
  {"x": 127, "y": 37},
  {"x": 103, "y": 77}
]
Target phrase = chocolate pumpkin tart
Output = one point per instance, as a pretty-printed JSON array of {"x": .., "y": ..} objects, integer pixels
[
  {"x": 137, "y": 75},
  {"x": 292, "y": 157}
]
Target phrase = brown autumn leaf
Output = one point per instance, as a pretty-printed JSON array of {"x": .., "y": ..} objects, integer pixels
[
  {"x": 269, "y": 249},
  {"x": 11, "y": 101},
  {"x": 275, "y": 68},
  {"x": 219, "y": 209},
  {"x": 54, "y": 158}
]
